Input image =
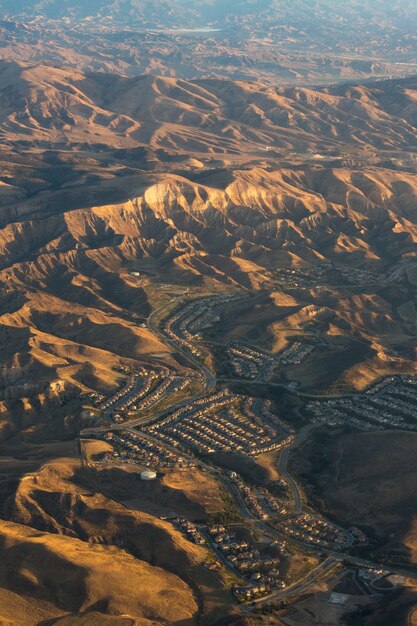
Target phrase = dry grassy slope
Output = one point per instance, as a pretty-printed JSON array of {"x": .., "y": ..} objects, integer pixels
[
  {"x": 97, "y": 580},
  {"x": 63, "y": 499},
  {"x": 60, "y": 497},
  {"x": 366, "y": 479},
  {"x": 188, "y": 492}
]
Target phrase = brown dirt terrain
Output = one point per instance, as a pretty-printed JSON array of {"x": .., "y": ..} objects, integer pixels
[
  {"x": 97, "y": 176},
  {"x": 62, "y": 501},
  {"x": 367, "y": 480},
  {"x": 198, "y": 487},
  {"x": 187, "y": 492},
  {"x": 36, "y": 563}
]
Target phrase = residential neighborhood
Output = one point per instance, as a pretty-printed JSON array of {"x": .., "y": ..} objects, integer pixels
[
  {"x": 222, "y": 422},
  {"x": 391, "y": 402}
]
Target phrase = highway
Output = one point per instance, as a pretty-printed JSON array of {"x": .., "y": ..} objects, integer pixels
[{"x": 292, "y": 485}]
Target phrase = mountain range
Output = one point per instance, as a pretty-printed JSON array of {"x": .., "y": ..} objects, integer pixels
[
  {"x": 188, "y": 12},
  {"x": 278, "y": 41},
  {"x": 153, "y": 153},
  {"x": 61, "y": 107},
  {"x": 217, "y": 180}
]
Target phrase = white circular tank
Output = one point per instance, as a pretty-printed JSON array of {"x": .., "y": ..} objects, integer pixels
[{"x": 148, "y": 475}]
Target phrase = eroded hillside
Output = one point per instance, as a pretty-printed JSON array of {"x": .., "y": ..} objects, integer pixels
[{"x": 121, "y": 196}]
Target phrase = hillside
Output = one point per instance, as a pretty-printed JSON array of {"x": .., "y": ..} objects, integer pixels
[
  {"x": 121, "y": 196},
  {"x": 336, "y": 473},
  {"x": 62, "y": 107},
  {"x": 30, "y": 593},
  {"x": 190, "y": 188}
]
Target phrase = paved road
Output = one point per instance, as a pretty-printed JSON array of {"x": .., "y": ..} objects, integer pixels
[
  {"x": 210, "y": 379},
  {"x": 296, "y": 493},
  {"x": 358, "y": 562},
  {"x": 303, "y": 585}
]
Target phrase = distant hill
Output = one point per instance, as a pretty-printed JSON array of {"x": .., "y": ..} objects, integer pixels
[
  {"x": 64, "y": 106},
  {"x": 299, "y": 42},
  {"x": 186, "y": 12}
]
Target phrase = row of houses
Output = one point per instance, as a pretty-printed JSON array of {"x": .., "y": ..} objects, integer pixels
[
  {"x": 391, "y": 403},
  {"x": 221, "y": 422},
  {"x": 134, "y": 447}
]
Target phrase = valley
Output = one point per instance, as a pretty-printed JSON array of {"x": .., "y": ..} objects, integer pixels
[
  {"x": 208, "y": 325},
  {"x": 281, "y": 520}
]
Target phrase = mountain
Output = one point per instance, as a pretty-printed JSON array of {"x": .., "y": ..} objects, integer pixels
[
  {"x": 292, "y": 42},
  {"x": 168, "y": 12},
  {"x": 217, "y": 180},
  {"x": 62, "y": 107}
]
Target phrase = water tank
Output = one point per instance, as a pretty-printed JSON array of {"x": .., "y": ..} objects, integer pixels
[{"x": 148, "y": 475}]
